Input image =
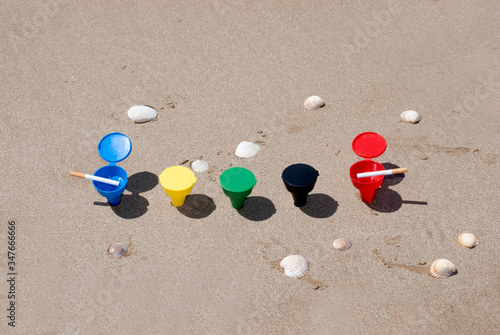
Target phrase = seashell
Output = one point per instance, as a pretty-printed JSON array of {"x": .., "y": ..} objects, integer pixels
[
  {"x": 314, "y": 102},
  {"x": 199, "y": 166},
  {"x": 410, "y": 116},
  {"x": 442, "y": 268},
  {"x": 295, "y": 266},
  {"x": 342, "y": 244},
  {"x": 117, "y": 249},
  {"x": 141, "y": 114},
  {"x": 468, "y": 240},
  {"x": 247, "y": 149}
]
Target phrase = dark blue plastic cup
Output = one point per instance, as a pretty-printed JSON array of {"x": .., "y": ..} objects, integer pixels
[
  {"x": 111, "y": 192},
  {"x": 299, "y": 180}
]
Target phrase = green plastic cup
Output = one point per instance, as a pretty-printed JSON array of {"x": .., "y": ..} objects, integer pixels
[{"x": 237, "y": 183}]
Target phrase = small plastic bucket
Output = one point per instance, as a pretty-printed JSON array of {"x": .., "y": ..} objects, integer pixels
[
  {"x": 177, "y": 182},
  {"x": 367, "y": 145},
  {"x": 237, "y": 183},
  {"x": 111, "y": 192},
  {"x": 113, "y": 148},
  {"x": 299, "y": 180}
]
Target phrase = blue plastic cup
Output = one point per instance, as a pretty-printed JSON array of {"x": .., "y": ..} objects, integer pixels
[{"x": 111, "y": 192}]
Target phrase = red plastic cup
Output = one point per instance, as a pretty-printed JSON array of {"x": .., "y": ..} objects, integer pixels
[
  {"x": 367, "y": 185},
  {"x": 367, "y": 145}
]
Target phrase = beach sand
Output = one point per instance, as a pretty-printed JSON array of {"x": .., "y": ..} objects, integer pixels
[{"x": 220, "y": 72}]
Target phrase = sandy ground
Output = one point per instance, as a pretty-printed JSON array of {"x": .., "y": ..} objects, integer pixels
[{"x": 220, "y": 72}]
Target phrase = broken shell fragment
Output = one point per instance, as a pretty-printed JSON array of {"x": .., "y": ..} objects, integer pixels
[
  {"x": 247, "y": 149},
  {"x": 410, "y": 116},
  {"x": 468, "y": 240},
  {"x": 141, "y": 114},
  {"x": 117, "y": 249},
  {"x": 295, "y": 266},
  {"x": 442, "y": 268},
  {"x": 199, "y": 166},
  {"x": 314, "y": 102},
  {"x": 342, "y": 244}
]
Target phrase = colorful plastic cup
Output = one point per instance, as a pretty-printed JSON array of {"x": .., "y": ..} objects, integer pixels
[
  {"x": 177, "y": 182},
  {"x": 113, "y": 148},
  {"x": 367, "y": 145},
  {"x": 111, "y": 192},
  {"x": 299, "y": 180},
  {"x": 237, "y": 183},
  {"x": 366, "y": 186}
]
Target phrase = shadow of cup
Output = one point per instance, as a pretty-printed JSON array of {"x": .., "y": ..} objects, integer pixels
[
  {"x": 141, "y": 182},
  {"x": 393, "y": 179},
  {"x": 320, "y": 206},
  {"x": 131, "y": 206},
  {"x": 257, "y": 209},
  {"x": 386, "y": 201},
  {"x": 197, "y": 206}
]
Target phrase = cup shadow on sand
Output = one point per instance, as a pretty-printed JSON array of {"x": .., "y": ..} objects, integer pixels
[
  {"x": 197, "y": 206},
  {"x": 393, "y": 179},
  {"x": 141, "y": 182},
  {"x": 320, "y": 206},
  {"x": 133, "y": 205},
  {"x": 387, "y": 200},
  {"x": 257, "y": 209}
]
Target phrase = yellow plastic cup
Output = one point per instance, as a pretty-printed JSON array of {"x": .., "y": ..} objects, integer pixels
[{"x": 177, "y": 182}]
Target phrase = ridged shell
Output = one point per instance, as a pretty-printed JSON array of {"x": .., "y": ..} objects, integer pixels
[
  {"x": 246, "y": 149},
  {"x": 117, "y": 249},
  {"x": 314, "y": 102},
  {"x": 442, "y": 268},
  {"x": 199, "y": 166},
  {"x": 468, "y": 240},
  {"x": 141, "y": 114},
  {"x": 342, "y": 244},
  {"x": 410, "y": 116},
  {"x": 295, "y": 266}
]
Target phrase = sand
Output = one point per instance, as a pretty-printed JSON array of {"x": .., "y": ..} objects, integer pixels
[{"x": 221, "y": 72}]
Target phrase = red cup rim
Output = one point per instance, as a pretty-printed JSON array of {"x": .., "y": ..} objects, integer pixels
[{"x": 357, "y": 180}]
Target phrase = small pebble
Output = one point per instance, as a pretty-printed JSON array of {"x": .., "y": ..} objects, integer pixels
[
  {"x": 410, "y": 116},
  {"x": 141, "y": 114},
  {"x": 423, "y": 157}
]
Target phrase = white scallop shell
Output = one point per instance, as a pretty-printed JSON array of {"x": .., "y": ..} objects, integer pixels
[
  {"x": 342, "y": 244},
  {"x": 442, "y": 268},
  {"x": 247, "y": 149},
  {"x": 314, "y": 102},
  {"x": 468, "y": 240},
  {"x": 117, "y": 249},
  {"x": 142, "y": 113},
  {"x": 295, "y": 266},
  {"x": 199, "y": 166},
  {"x": 410, "y": 116}
]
